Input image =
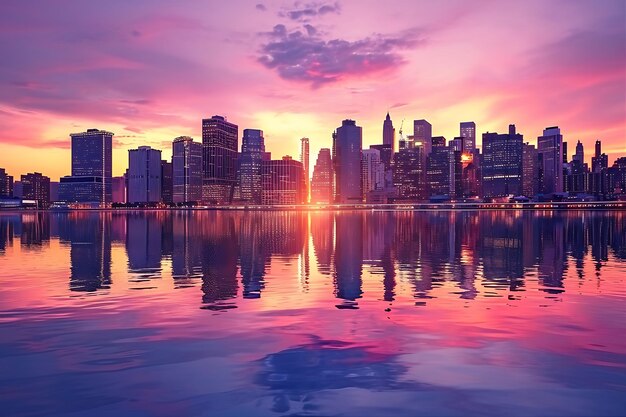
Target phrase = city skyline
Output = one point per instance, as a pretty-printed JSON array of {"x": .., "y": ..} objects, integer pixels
[{"x": 151, "y": 76}]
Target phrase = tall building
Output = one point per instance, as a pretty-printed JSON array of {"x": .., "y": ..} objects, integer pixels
[
  {"x": 580, "y": 153},
  {"x": 118, "y": 185},
  {"x": 373, "y": 172},
  {"x": 167, "y": 184},
  {"x": 6, "y": 184},
  {"x": 502, "y": 164},
  {"x": 186, "y": 170},
  {"x": 468, "y": 133},
  {"x": 423, "y": 133},
  {"x": 389, "y": 134},
  {"x": 438, "y": 168},
  {"x": 530, "y": 178},
  {"x": 550, "y": 148},
  {"x": 36, "y": 187},
  {"x": 409, "y": 172},
  {"x": 92, "y": 166},
  {"x": 282, "y": 182},
  {"x": 347, "y": 147},
  {"x": 304, "y": 159},
  {"x": 322, "y": 181},
  {"x": 250, "y": 161},
  {"x": 600, "y": 161},
  {"x": 144, "y": 175},
  {"x": 219, "y": 160}
]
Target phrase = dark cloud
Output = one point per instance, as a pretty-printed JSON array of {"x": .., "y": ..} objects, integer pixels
[
  {"x": 261, "y": 7},
  {"x": 309, "y": 10},
  {"x": 307, "y": 57}
]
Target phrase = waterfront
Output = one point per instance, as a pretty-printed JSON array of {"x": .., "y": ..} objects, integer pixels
[{"x": 313, "y": 313}]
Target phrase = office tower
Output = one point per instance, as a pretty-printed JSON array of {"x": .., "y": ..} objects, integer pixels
[
  {"x": 186, "y": 170},
  {"x": 17, "y": 189},
  {"x": 458, "y": 144},
  {"x": 456, "y": 172},
  {"x": 599, "y": 161},
  {"x": 347, "y": 147},
  {"x": 617, "y": 177},
  {"x": 409, "y": 172},
  {"x": 373, "y": 173},
  {"x": 564, "y": 152},
  {"x": 389, "y": 134},
  {"x": 322, "y": 182},
  {"x": 118, "y": 185},
  {"x": 580, "y": 153},
  {"x": 468, "y": 133},
  {"x": 6, "y": 184},
  {"x": 502, "y": 164},
  {"x": 36, "y": 187},
  {"x": 282, "y": 182},
  {"x": 550, "y": 147},
  {"x": 386, "y": 155},
  {"x": 250, "y": 160},
  {"x": 529, "y": 170},
  {"x": 144, "y": 175},
  {"x": 438, "y": 168},
  {"x": 167, "y": 184},
  {"x": 219, "y": 160},
  {"x": 304, "y": 158},
  {"x": 423, "y": 134},
  {"x": 92, "y": 165}
]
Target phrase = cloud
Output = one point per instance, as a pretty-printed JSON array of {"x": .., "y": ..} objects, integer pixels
[
  {"x": 309, "y": 58},
  {"x": 306, "y": 12},
  {"x": 260, "y": 7}
]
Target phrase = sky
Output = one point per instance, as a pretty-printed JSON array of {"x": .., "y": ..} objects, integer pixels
[{"x": 150, "y": 70}]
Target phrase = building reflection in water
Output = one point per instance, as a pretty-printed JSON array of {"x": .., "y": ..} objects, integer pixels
[{"x": 493, "y": 253}]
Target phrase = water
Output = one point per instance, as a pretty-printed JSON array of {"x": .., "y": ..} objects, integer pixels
[{"x": 335, "y": 314}]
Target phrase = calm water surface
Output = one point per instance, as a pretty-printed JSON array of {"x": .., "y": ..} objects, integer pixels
[{"x": 321, "y": 313}]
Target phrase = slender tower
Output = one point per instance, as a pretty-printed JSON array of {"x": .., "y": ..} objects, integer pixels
[{"x": 304, "y": 158}]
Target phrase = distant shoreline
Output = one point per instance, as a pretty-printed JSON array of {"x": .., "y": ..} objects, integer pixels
[{"x": 532, "y": 206}]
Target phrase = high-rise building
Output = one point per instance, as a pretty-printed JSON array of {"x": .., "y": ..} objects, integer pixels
[
  {"x": 438, "y": 168},
  {"x": 468, "y": 133},
  {"x": 322, "y": 181},
  {"x": 389, "y": 134},
  {"x": 282, "y": 182},
  {"x": 600, "y": 161},
  {"x": 54, "y": 191},
  {"x": 423, "y": 134},
  {"x": 250, "y": 161},
  {"x": 144, "y": 175},
  {"x": 530, "y": 178},
  {"x": 373, "y": 172},
  {"x": 347, "y": 147},
  {"x": 304, "y": 158},
  {"x": 92, "y": 165},
  {"x": 118, "y": 185},
  {"x": 219, "y": 160},
  {"x": 186, "y": 170},
  {"x": 167, "y": 184},
  {"x": 502, "y": 164},
  {"x": 36, "y": 187},
  {"x": 580, "y": 153},
  {"x": 409, "y": 172},
  {"x": 550, "y": 147},
  {"x": 6, "y": 184}
]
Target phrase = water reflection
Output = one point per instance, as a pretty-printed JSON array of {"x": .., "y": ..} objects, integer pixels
[{"x": 228, "y": 254}]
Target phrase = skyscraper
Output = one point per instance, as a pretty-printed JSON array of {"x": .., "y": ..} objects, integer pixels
[
  {"x": 599, "y": 161},
  {"x": 389, "y": 134},
  {"x": 423, "y": 133},
  {"x": 468, "y": 133},
  {"x": 550, "y": 147},
  {"x": 282, "y": 182},
  {"x": 118, "y": 185},
  {"x": 304, "y": 159},
  {"x": 36, "y": 187},
  {"x": 530, "y": 178},
  {"x": 347, "y": 147},
  {"x": 438, "y": 168},
  {"x": 373, "y": 172},
  {"x": 6, "y": 184},
  {"x": 251, "y": 158},
  {"x": 92, "y": 165},
  {"x": 167, "y": 185},
  {"x": 186, "y": 170},
  {"x": 409, "y": 172},
  {"x": 322, "y": 182},
  {"x": 502, "y": 164},
  {"x": 219, "y": 159},
  {"x": 580, "y": 153},
  {"x": 144, "y": 175}
]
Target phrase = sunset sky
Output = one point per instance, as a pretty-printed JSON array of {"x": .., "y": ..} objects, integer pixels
[{"x": 150, "y": 70}]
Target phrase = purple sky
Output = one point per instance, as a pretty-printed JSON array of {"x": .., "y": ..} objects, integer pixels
[{"x": 150, "y": 70}]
